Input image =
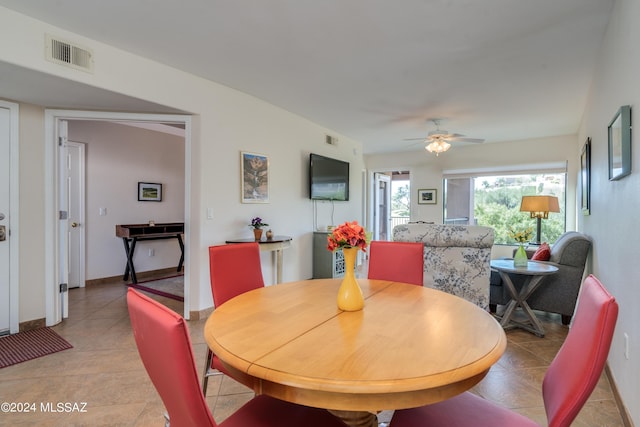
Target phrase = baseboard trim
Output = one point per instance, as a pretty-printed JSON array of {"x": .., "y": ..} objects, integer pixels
[
  {"x": 140, "y": 275},
  {"x": 202, "y": 314},
  {"x": 31, "y": 324},
  {"x": 624, "y": 413}
]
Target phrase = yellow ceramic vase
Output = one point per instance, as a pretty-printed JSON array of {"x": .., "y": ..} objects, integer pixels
[{"x": 350, "y": 295}]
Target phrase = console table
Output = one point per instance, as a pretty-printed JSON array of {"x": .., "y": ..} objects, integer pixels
[
  {"x": 132, "y": 233},
  {"x": 276, "y": 244}
]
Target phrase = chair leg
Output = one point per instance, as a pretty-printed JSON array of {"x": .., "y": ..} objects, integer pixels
[
  {"x": 206, "y": 373},
  {"x": 565, "y": 319}
]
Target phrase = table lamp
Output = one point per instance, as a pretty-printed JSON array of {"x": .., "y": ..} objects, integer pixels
[{"x": 539, "y": 207}]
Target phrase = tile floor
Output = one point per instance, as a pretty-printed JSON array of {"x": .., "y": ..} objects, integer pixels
[{"x": 104, "y": 370}]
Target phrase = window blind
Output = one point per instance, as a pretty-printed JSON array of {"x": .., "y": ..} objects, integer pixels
[{"x": 523, "y": 169}]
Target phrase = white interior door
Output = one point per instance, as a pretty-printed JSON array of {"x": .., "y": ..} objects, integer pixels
[
  {"x": 5, "y": 256},
  {"x": 9, "y": 218},
  {"x": 63, "y": 222},
  {"x": 76, "y": 205},
  {"x": 382, "y": 207}
]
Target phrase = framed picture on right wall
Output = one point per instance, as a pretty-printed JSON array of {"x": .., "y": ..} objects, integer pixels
[
  {"x": 585, "y": 177},
  {"x": 619, "y": 136}
]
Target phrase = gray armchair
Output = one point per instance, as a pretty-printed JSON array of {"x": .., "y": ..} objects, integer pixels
[{"x": 558, "y": 292}]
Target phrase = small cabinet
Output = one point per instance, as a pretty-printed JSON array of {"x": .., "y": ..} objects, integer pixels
[{"x": 326, "y": 264}]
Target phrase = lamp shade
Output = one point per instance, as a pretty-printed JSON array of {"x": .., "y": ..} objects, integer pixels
[{"x": 539, "y": 206}]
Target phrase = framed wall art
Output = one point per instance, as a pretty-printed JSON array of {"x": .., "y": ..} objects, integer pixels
[
  {"x": 149, "y": 192},
  {"x": 428, "y": 197},
  {"x": 585, "y": 177},
  {"x": 254, "y": 169},
  {"x": 619, "y": 135}
]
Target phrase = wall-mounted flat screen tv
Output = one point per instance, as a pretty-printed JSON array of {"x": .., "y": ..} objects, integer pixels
[{"x": 328, "y": 178}]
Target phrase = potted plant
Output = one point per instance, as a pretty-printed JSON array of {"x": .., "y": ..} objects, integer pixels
[{"x": 257, "y": 225}]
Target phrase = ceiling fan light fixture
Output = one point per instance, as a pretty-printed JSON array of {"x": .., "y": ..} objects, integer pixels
[{"x": 438, "y": 146}]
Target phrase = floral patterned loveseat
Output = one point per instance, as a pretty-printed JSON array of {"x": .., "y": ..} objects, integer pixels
[{"x": 456, "y": 257}]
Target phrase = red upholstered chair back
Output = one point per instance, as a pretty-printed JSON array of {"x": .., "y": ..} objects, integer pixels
[
  {"x": 162, "y": 337},
  {"x": 397, "y": 261},
  {"x": 574, "y": 372},
  {"x": 234, "y": 269}
]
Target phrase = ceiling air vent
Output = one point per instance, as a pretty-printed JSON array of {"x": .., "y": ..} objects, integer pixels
[{"x": 65, "y": 53}]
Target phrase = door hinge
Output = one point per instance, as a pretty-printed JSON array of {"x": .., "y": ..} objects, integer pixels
[{"x": 63, "y": 287}]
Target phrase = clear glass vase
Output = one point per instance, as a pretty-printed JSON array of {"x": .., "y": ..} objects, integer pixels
[{"x": 520, "y": 258}]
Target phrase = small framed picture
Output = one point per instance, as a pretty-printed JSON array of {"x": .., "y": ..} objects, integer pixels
[
  {"x": 149, "y": 192},
  {"x": 254, "y": 169},
  {"x": 619, "y": 135},
  {"x": 428, "y": 197}
]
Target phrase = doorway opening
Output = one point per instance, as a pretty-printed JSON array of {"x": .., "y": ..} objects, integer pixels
[
  {"x": 391, "y": 202},
  {"x": 102, "y": 211},
  {"x": 400, "y": 198}
]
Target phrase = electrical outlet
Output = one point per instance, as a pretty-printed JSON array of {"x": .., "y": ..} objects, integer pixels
[
  {"x": 626, "y": 346},
  {"x": 102, "y": 211},
  {"x": 152, "y": 252}
]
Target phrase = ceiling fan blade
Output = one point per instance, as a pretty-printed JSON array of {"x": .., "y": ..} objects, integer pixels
[
  {"x": 474, "y": 140},
  {"x": 415, "y": 139}
]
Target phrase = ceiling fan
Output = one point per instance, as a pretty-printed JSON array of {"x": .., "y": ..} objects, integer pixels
[{"x": 438, "y": 141}]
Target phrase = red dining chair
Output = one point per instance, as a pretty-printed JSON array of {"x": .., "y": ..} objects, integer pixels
[
  {"x": 397, "y": 261},
  {"x": 164, "y": 344},
  {"x": 234, "y": 269},
  {"x": 567, "y": 384}
]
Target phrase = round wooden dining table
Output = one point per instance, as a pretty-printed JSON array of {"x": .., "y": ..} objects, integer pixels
[{"x": 408, "y": 347}]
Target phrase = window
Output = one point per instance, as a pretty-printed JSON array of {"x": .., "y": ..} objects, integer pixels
[{"x": 494, "y": 201}]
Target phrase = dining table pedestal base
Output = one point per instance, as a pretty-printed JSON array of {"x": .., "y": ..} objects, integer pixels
[{"x": 357, "y": 418}]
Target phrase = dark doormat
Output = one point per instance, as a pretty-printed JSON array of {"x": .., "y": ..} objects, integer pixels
[{"x": 29, "y": 345}]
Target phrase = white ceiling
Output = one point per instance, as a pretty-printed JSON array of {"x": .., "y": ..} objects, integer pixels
[{"x": 373, "y": 70}]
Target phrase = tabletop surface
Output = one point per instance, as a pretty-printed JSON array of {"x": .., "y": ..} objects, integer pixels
[
  {"x": 409, "y": 346},
  {"x": 533, "y": 268},
  {"x": 274, "y": 239}
]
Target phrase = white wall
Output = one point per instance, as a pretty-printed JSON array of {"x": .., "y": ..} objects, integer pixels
[
  {"x": 117, "y": 158},
  {"x": 426, "y": 169},
  {"x": 32, "y": 292},
  {"x": 615, "y": 204},
  {"x": 225, "y": 122}
]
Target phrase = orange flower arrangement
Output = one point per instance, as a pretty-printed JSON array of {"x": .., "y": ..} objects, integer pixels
[{"x": 348, "y": 235}]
